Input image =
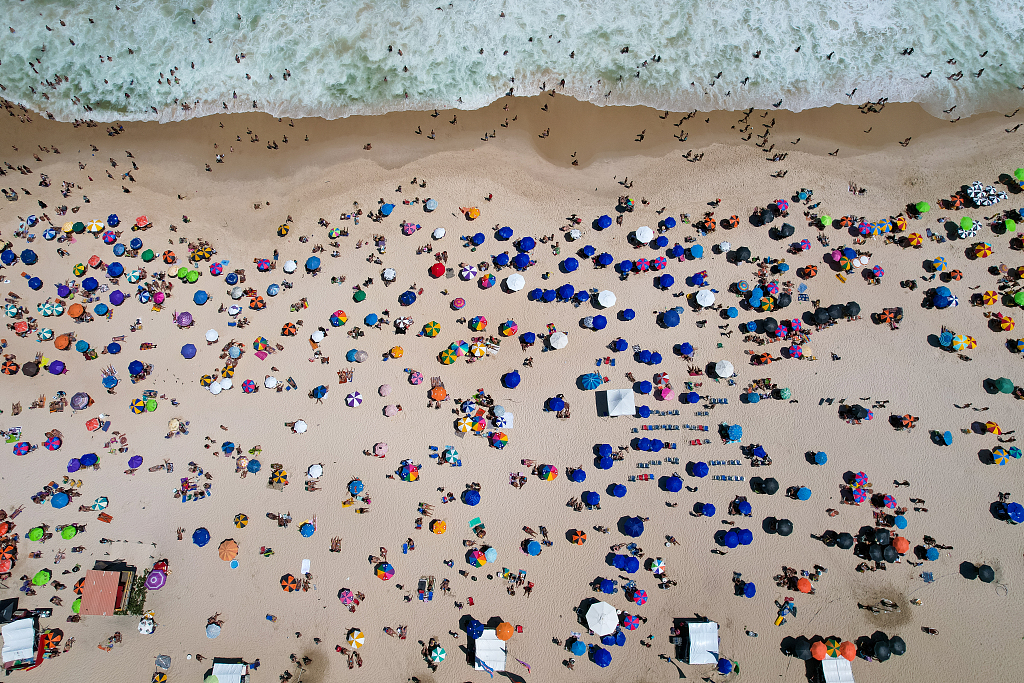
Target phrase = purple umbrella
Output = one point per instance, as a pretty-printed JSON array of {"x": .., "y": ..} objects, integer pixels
[
  {"x": 117, "y": 297},
  {"x": 56, "y": 367},
  {"x": 74, "y": 465},
  {"x": 156, "y": 580},
  {"x": 135, "y": 461},
  {"x": 184, "y": 319}
]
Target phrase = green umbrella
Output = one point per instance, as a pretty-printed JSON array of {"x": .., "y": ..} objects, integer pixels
[
  {"x": 1019, "y": 174},
  {"x": 182, "y": 272},
  {"x": 1009, "y": 225},
  {"x": 150, "y": 405},
  {"x": 1018, "y": 298},
  {"x": 359, "y": 296},
  {"x": 785, "y": 393},
  {"x": 35, "y": 534},
  {"x": 211, "y": 679},
  {"x": 41, "y": 578},
  {"x": 76, "y": 605},
  {"x": 192, "y": 276},
  {"x": 923, "y": 207},
  {"x": 148, "y": 255},
  {"x": 966, "y": 223},
  {"x": 826, "y": 221},
  {"x": 1004, "y": 385},
  {"x": 68, "y": 532}
]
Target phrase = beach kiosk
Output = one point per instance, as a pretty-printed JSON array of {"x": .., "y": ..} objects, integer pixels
[
  {"x": 20, "y": 644},
  {"x": 836, "y": 670},
  {"x": 616, "y": 402},
  {"x": 699, "y": 644},
  {"x": 107, "y": 589},
  {"x": 230, "y": 670},
  {"x": 490, "y": 652}
]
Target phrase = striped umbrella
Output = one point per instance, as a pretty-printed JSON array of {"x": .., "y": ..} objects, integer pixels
[
  {"x": 1020, "y": 346},
  {"x": 438, "y": 654},
  {"x": 915, "y": 239},
  {"x": 448, "y": 357},
  {"x": 640, "y": 597},
  {"x": 860, "y": 479},
  {"x": 95, "y": 226},
  {"x": 859, "y": 495},
  {"x": 53, "y": 443},
  {"x": 384, "y": 571},
  {"x": 888, "y": 501},
  {"x": 356, "y": 638},
  {"x": 960, "y": 342},
  {"x": 464, "y": 424},
  {"x": 832, "y": 647},
  {"x": 432, "y": 329},
  {"x": 353, "y": 399},
  {"x": 241, "y": 520},
  {"x": 658, "y": 566},
  {"x": 772, "y": 288},
  {"x": 476, "y": 350},
  {"x": 659, "y": 263},
  {"x": 204, "y": 381},
  {"x": 631, "y": 623},
  {"x": 279, "y": 477},
  {"x": 468, "y": 273},
  {"x": 990, "y": 298},
  {"x": 138, "y": 406},
  {"x": 1015, "y": 452},
  {"x": 642, "y": 265},
  {"x": 1006, "y": 323},
  {"x": 579, "y": 537},
  {"x": 983, "y": 250},
  {"x": 478, "y": 323},
  {"x": 508, "y": 328},
  {"x": 289, "y": 583},
  {"x": 1000, "y": 456},
  {"x": 993, "y": 428},
  {"x": 939, "y": 264}
]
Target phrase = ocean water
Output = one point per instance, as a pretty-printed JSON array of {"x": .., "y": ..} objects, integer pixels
[{"x": 338, "y": 54}]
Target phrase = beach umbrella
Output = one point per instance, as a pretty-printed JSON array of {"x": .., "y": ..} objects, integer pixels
[
  {"x": 985, "y": 572},
  {"x": 606, "y": 298},
  {"x": 60, "y": 500},
  {"x": 156, "y": 579},
  {"x": 818, "y": 650},
  {"x": 784, "y": 527},
  {"x": 602, "y": 618},
  {"x": 200, "y": 537},
  {"x": 499, "y": 440},
  {"x": 384, "y": 571},
  {"x": 803, "y": 493},
  {"x": 932, "y": 554},
  {"x": 631, "y": 623},
  {"x": 228, "y": 550},
  {"x": 724, "y": 369},
  {"x": 939, "y": 264},
  {"x": 42, "y": 577},
  {"x": 353, "y": 399},
  {"x": 731, "y": 539},
  {"x": 533, "y": 548},
  {"x": 633, "y": 527},
  {"x": 511, "y": 379},
  {"x": 644, "y": 234},
  {"x": 983, "y": 250},
  {"x": 642, "y": 265},
  {"x": 744, "y": 536},
  {"x": 897, "y": 646},
  {"x": 604, "y": 222},
  {"x": 438, "y": 654},
  {"x": 1006, "y": 323},
  {"x": 289, "y": 583}
]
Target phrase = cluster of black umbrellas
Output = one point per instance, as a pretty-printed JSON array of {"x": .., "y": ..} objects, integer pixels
[
  {"x": 982, "y": 572},
  {"x": 834, "y": 312}
]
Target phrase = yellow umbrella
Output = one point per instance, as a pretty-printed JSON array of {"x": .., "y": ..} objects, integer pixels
[
  {"x": 356, "y": 638},
  {"x": 228, "y": 371},
  {"x": 397, "y": 352},
  {"x": 431, "y": 329},
  {"x": 464, "y": 424},
  {"x": 990, "y": 298},
  {"x": 205, "y": 381},
  {"x": 448, "y": 357},
  {"x": 476, "y": 350},
  {"x": 67, "y": 227},
  {"x": 438, "y": 526},
  {"x": 241, "y": 520},
  {"x": 94, "y": 226}
]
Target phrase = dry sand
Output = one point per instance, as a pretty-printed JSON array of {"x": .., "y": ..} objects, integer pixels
[{"x": 535, "y": 189}]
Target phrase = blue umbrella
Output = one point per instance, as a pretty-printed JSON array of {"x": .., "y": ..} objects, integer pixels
[
  {"x": 618, "y": 490},
  {"x": 578, "y": 476},
  {"x": 273, "y": 289},
  {"x": 901, "y": 522},
  {"x": 605, "y": 259},
  {"x": 526, "y": 244},
  {"x": 8, "y": 257},
  {"x": 632, "y": 565},
  {"x": 693, "y": 397},
  {"x": 700, "y": 469},
  {"x": 644, "y": 356},
  {"x": 555, "y": 404},
  {"x": 633, "y": 527},
  {"x": 670, "y": 222},
  {"x": 89, "y": 459},
  {"x": 90, "y": 284},
  {"x": 201, "y": 536},
  {"x": 74, "y": 464},
  {"x": 113, "y": 221},
  {"x": 533, "y": 548},
  {"x": 657, "y": 445},
  {"x": 570, "y": 264},
  {"x": 520, "y": 261},
  {"x": 732, "y": 312},
  {"x": 707, "y": 509},
  {"x": 407, "y": 298},
  {"x": 697, "y": 251},
  {"x": 386, "y": 209},
  {"x": 932, "y": 554},
  {"x": 136, "y": 243},
  {"x": 231, "y": 279},
  {"x": 504, "y": 233},
  {"x": 477, "y": 239},
  {"x": 947, "y": 438},
  {"x": 115, "y": 269},
  {"x": 81, "y": 346},
  {"x": 566, "y": 291},
  {"x": 820, "y": 458},
  {"x": 589, "y": 251},
  {"x": 600, "y": 322},
  {"x": 731, "y": 539},
  {"x": 628, "y": 314},
  {"x": 29, "y": 257},
  {"x": 312, "y": 264},
  {"x": 745, "y": 536},
  {"x": 228, "y": 447},
  {"x": 644, "y": 444},
  {"x": 430, "y": 204},
  {"x": 188, "y": 351},
  {"x": 370, "y": 320},
  {"x": 661, "y": 242},
  {"x": 254, "y": 466},
  {"x": 607, "y": 586},
  {"x": 656, "y": 358},
  {"x": 591, "y": 381},
  {"x": 119, "y": 249},
  {"x": 686, "y": 348},
  {"x": 474, "y": 629},
  {"x": 674, "y": 484},
  {"x": 601, "y": 657},
  {"x": 697, "y": 280},
  {"x": 625, "y": 266},
  {"x": 511, "y": 379},
  {"x": 644, "y": 387},
  {"x": 501, "y": 260},
  {"x": 35, "y": 283},
  {"x": 604, "y": 222},
  {"x": 60, "y": 500},
  {"x": 200, "y": 297},
  {"x": 135, "y": 367},
  {"x": 620, "y": 638},
  {"x": 744, "y": 507},
  {"x": 670, "y": 318},
  {"x": 604, "y": 450},
  {"x": 724, "y": 665},
  {"x": 735, "y": 432},
  {"x": 535, "y": 294},
  {"x": 643, "y": 411},
  {"x": 306, "y": 530},
  {"x": 749, "y": 590},
  {"x": 591, "y": 497},
  {"x": 234, "y": 352},
  {"x": 759, "y": 452},
  {"x": 471, "y": 497},
  {"x": 666, "y": 281},
  {"x": 946, "y": 338},
  {"x": 578, "y": 648},
  {"x": 803, "y": 493},
  {"x": 548, "y": 296},
  {"x": 116, "y": 298},
  {"x": 1015, "y": 512},
  {"x": 582, "y": 296},
  {"x": 621, "y": 345},
  {"x": 528, "y": 337},
  {"x": 604, "y": 463}
]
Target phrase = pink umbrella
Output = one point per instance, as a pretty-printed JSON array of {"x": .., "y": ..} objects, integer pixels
[
  {"x": 263, "y": 265},
  {"x": 216, "y": 269},
  {"x": 458, "y": 303},
  {"x": 631, "y": 623},
  {"x": 836, "y": 255},
  {"x": 782, "y": 205},
  {"x": 889, "y": 501},
  {"x": 158, "y": 297},
  {"x": 384, "y": 389},
  {"x": 642, "y": 265},
  {"x": 415, "y": 377},
  {"x": 346, "y": 596},
  {"x": 390, "y": 411},
  {"x": 667, "y": 394},
  {"x": 805, "y": 245},
  {"x": 380, "y": 449},
  {"x": 640, "y": 597}
]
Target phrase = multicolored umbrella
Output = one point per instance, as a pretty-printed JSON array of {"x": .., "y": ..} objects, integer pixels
[
  {"x": 993, "y": 428},
  {"x": 384, "y": 571},
  {"x": 579, "y": 537},
  {"x": 257, "y": 303},
  {"x": 353, "y": 399},
  {"x": 939, "y": 264},
  {"x": 438, "y": 654},
  {"x": 861, "y": 479},
  {"x": 477, "y": 350},
  {"x": 990, "y": 298},
  {"x": 289, "y": 583},
  {"x": 432, "y": 329},
  {"x": 1000, "y": 456},
  {"x": 477, "y": 558},
  {"x": 859, "y": 495},
  {"x": 53, "y": 443},
  {"x": 448, "y": 356},
  {"x": 499, "y": 440},
  {"x": 659, "y": 263},
  {"x": 478, "y": 323},
  {"x": 983, "y": 250},
  {"x": 888, "y": 501},
  {"x": 642, "y": 265},
  {"x": 139, "y": 405},
  {"x": 640, "y": 597},
  {"x": 547, "y": 472},
  {"x": 508, "y": 328},
  {"x": 915, "y": 239},
  {"x": 658, "y": 566},
  {"x": 631, "y": 623},
  {"x": 1006, "y": 323},
  {"x": 356, "y": 638}
]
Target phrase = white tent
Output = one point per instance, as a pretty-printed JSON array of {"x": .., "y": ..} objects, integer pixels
[
  {"x": 703, "y": 642},
  {"x": 491, "y": 651},
  {"x": 602, "y": 618},
  {"x": 606, "y": 298},
  {"x": 837, "y": 670},
  {"x": 515, "y": 282},
  {"x": 229, "y": 673},
  {"x": 644, "y": 234},
  {"x": 19, "y": 640},
  {"x": 620, "y": 402},
  {"x": 705, "y": 297},
  {"x": 558, "y": 340}
]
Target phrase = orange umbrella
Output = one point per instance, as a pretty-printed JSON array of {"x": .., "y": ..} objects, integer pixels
[
  {"x": 472, "y": 213},
  {"x": 804, "y": 585},
  {"x": 50, "y": 639},
  {"x": 438, "y": 526},
  {"x": 810, "y": 271},
  {"x": 579, "y": 537},
  {"x": 63, "y": 341},
  {"x": 504, "y": 631},
  {"x": 169, "y": 257},
  {"x": 956, "y": 275},
  {"x": 848, "y": 651},
  {"x": 7, "y": 552},
  {"x": 818, "y": 650},
  {"x": 289, "y": 330},
  {"x": 438, "y": 393},
  {"x": 901, "y": 544},
  {"x": 396, "y": 352},
  {"x": 228, "y": 550},
  {"x": 257, "y": 303},
  {"x": 289, "y": 583},
  {"x": 76, "y": 310},
  {"x": 78, "y": 585}
]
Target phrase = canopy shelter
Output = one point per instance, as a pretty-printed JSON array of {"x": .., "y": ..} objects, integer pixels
[
  {"x": 230, "y": 670},
  {"x": 618, "y": 402},
  {"x": 700, "y": 645},
  {"x": 19, "y": 648},
  {"x": 837, "y": 670},
  {"x": 490, "y": 651}
]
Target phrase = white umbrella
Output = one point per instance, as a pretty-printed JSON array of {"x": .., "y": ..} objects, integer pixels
[
  {"x": 226, "y": 383},
  {"x": 299, "y": 427},
  {"x": 705, "y": 297},
  {"x": 290, "y": 266},
  {"x": 438, "y": 233},
  {"x": 725, "y": 246},
  {"x": 602, "y": 618},
  {"x": 606, "y": 298},
  {"x": 644, "y": 234},
  {"x": 575, "y": 234},
  {"x": 558, "y": 340},
  {"x": 216, "y": 388},
  {"x": 468, "y": 273},
  {"x": 724, "y": 369},
  {"x": 353, "y": 399},
  {"x": 389, "y": 274},
  {"x": 237, "y": 292},
  {"x": 211, "y": 335},
  {"x": 588, "y": 322},
  {"x": 315, "y": 471},
  {"x": 234, "y": 310},
  {"x": 270, "y": 382},
  {"x": 515, "y": 282},
  {"x": 146, "y": 626},
  {"x": 212, "y": 630},
  {"x": 317, "y": 336}
]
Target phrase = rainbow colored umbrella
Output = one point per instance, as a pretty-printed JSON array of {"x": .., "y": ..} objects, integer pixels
[
  {"x": 508, "y": 328},
  {"x": 547, "y": 472},
  {"x": 478, "y": 323},
  {"x": 499, "y": 440},
  {"x": 479, "y": 423},
  {"x": 458, "y": 303},
  {"x": 338, "y": 318},
  {"x": 477, "y": 558}
]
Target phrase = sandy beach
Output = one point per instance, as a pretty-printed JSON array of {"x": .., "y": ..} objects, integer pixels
[{"x": 534, "y": 185}]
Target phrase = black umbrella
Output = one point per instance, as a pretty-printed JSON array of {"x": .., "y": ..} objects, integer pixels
[
  {"x": 858, "y": 412},
  {"x": 844, "y": 541},
  {"x": 897, "y": 646},
  {"x": 968, "y": 570},
  {"x": 770, "y": 325},
  {"x": 770, "y": 486},
  {"x": 767, "y": 217},
  {"x": 783, "y": 300},
  {"x": 80, "y": 401},
  {"x": 986, "y": 573},
  {"x": 820, "y": 316},
  {"x": 802, "y": 648},
  {"x": 866, "y": 537},
  {"x": 784, "y": 527},
  {"x": 787, "y": 230},
  {"x": 889, "y": 553},
  {"x": 882, "y": 650},
  {"x": 771, "y": 525},
  {"x": 742, "y": 254},
  {"x": 835, "y": 311},
  {"x": 852, "y": 309},
  {"x": 882, "y": 536},
  {"x": 30, "y": 369},
  {"x": 875, "y": 553}
]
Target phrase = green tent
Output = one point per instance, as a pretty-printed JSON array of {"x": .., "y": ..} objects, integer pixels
[
  {"x": 1004, "y": 385},
  {"x": 41, "y": 578},
  {"x": 923, "y": 207}
]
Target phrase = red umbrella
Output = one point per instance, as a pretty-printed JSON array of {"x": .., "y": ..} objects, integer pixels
[{"x": 437, "y": 270}]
